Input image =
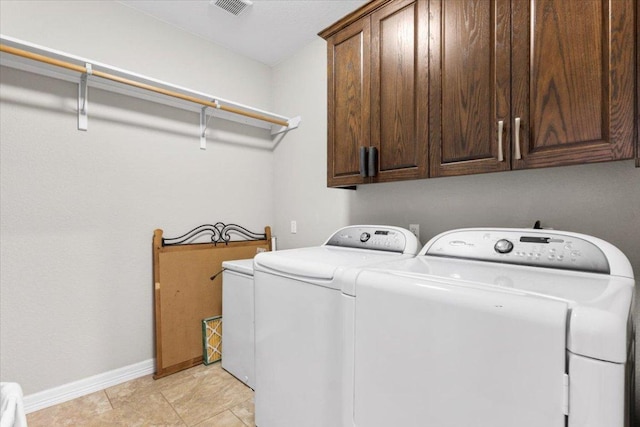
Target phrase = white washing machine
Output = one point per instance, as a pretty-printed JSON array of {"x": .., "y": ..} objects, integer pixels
[
  {"x": 238, "y": 346},
  {"x": 493, "y": 328},
  {"x": 299, "y": 323}
]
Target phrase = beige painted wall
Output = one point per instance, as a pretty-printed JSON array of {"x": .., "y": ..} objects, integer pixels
[
  {"x": 301, "y": 192},
  {"x": 78, "y": 209}
]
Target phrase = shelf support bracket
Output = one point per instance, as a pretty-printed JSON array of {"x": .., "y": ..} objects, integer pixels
[
  {"x": 203, "y": 128},
  {"x": 204, "y": 122},
  {"x": 294, "y": 122},
  {"x": 83, "y": 99}
]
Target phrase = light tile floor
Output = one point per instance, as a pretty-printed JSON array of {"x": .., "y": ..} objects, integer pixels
[{"x": 202, "y": 396}]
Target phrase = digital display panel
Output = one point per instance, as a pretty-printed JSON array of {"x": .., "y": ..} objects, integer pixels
[{"x": 528, "y": 239}]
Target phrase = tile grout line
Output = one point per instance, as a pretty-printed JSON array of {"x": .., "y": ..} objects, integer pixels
[
  {"x": 172, "y": 408},
  {"x": 215, "y": 415},
  {"x": 109, "y": 399},
  {"x": 237, "y": 416}
]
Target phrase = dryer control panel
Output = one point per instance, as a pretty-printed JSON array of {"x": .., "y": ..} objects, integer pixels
[
  {"x": 543, "y": 248},
  {"x": 382, "y": 238}
]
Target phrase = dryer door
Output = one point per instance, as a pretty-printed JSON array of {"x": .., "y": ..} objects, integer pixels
[{"x": 443, "y": 354}]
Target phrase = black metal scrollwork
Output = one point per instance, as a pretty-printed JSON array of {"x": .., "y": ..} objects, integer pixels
[{"x": 219, "y": 232}]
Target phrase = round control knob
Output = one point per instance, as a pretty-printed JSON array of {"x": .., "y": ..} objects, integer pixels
[
  {"x": 503, "y": 246},
  {"x": 364, "y": 237}
]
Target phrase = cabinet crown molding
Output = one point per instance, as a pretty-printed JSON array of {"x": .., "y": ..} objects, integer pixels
[{"x": 352, "y": 17}]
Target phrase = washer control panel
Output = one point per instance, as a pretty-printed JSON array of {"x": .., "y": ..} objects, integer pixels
[
  {"x": 382, "y": 238},
  {"x": 543, "y": 248}
]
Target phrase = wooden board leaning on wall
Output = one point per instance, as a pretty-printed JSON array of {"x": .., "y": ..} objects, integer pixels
[{"x": 184, "y": 292}]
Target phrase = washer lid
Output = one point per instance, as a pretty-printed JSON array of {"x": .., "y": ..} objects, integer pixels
[
  {"x": 319, "y": 263},
  {"x": 600, "y": 305},
  {"x": 244, "y": 266}
]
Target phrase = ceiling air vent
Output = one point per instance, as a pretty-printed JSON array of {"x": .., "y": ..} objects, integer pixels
[{"x": 235, "y": 7}]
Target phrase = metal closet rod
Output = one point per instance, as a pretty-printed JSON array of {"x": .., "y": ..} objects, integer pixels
[{"x": 81, "y": 69}]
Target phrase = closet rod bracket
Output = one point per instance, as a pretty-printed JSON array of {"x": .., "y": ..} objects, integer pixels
[
  {"x": 293, "y": 123},
  {"x": 83, "y": 98},
  {"x": 204, "y": 122}
]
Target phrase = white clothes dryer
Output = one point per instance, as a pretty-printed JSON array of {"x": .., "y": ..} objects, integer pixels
[
  {"x": 238, "y": 348},
  {"x": 298, "y": 323},
  {"x": 492, "y": 328}
]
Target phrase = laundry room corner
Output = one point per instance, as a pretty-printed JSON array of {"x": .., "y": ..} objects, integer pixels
[{"x": 300, "y": 173}]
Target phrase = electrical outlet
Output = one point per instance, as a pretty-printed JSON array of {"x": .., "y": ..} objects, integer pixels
[
  {"x": 415, "y": 229},
  {"x": 294, "y": 227}
]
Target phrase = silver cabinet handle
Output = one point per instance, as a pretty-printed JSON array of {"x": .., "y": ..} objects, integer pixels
[
  {"x": 500, "y": 129},
  {"x": 517, "y": 139}
]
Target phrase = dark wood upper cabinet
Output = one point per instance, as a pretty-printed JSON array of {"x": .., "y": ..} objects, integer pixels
[
  {"x": 454, "y": 87},
  {"x": 377, "y": 95},
  {"x": 399, "y": 91},
  {"x": 469, "y": 87},
  {"x": 573, "y": 81},
  {"x": 530, "y": 83},
  {"x": 348, "y": 70}
]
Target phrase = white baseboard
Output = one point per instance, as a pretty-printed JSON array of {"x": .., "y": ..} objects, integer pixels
[{"x": 70, "y": 391}]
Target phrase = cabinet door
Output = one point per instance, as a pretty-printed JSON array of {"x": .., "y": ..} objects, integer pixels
[
  {"x": 469, "y": 86},
  {"x": 573, "y": 81},
  {"x": 348, "y": 69},
  {"x": 399, "y": 90}
]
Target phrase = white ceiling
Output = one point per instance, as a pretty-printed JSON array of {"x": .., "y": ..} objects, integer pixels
[{"x": 269, "y": 31}]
